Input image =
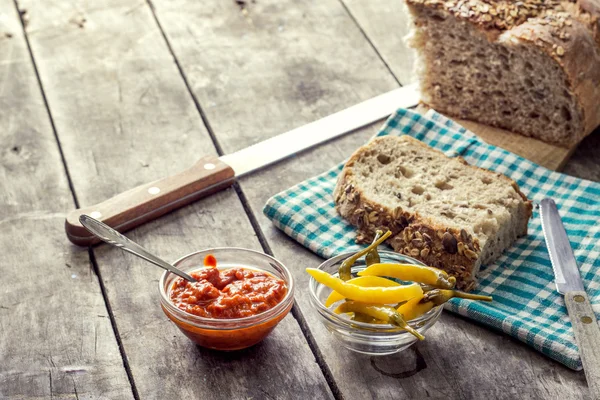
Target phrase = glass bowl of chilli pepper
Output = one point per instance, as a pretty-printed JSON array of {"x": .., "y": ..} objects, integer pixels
[
  {"x": 238, "y": 299},
  {"x": 369, "y": 336}
]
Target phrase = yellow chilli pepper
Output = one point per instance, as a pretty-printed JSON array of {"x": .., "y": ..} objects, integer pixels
[
  {"x": 415, "y": 308},
  {"x": 383, "y": 313},
  {"x": 362, "y": 281},
  {"x": 409, "y": 272},
  {"x": 381, "y": 295},
  {"x": 420, "y": 305}
]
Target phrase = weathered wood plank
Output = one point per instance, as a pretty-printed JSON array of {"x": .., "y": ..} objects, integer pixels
[
  {"x": 124, "y": 117},
  {"x": 57, "y": 340},
  {"x": 386, "y": 24},
  {"x": 244, "y": 82},
  {"x": 284, "y": 63}
]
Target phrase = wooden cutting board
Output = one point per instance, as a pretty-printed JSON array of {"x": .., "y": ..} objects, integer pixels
[{"x": 547, "y": 155}]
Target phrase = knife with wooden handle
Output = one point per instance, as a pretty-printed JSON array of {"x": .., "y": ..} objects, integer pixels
[
  {"x": 569, "y": 284},
  {"x": 147, "y": 202},
  {"x": 144, "y": 203}
]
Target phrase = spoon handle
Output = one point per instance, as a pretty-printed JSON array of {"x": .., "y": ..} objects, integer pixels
[{"x": 111, "y": 236}]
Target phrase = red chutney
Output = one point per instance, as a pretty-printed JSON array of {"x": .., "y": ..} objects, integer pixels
[{"x": 226, "y": 294}]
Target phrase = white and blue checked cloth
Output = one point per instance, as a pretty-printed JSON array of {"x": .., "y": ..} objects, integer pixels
[{"x": 526, "y": 304}]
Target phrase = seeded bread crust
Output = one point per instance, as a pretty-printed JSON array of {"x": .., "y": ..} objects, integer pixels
[
  {"x": 579, "y": 58},
  {"x": 419, "y": 236},
  {"x": 567, "y": 31}
]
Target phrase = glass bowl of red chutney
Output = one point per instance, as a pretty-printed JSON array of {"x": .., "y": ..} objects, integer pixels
[{"x": 235, "y": 304}]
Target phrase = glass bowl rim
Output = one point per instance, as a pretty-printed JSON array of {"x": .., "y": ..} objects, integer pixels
[
  {"x": 364, "y": 326},
  {"x": 229, "y": 323}
]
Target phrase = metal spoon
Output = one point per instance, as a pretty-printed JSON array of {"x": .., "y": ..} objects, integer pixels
[{"x": 109, "y": 235}]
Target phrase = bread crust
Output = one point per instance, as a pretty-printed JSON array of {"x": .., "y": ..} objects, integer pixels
[
  {"x": 580, "y": 62},
  {"x": 413, "y": 234}
]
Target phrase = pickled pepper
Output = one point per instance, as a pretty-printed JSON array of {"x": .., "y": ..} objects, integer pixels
[
  {"x": 383, "y": 313},
  {"x": 372, "y": 256},
  {"x": 414, "y": 308},
  {"x": 382, "y": 295},
  {"x": 362, "y": 281},
  {"x": 345, "y": 270},
  {"x": 409, "y": 272},
  {"x": 439, "y": 296},
  {"x": 420, "y": 305}
]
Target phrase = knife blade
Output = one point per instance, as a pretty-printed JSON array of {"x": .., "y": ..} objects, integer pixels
[
  {"x": 569, "y": 283},
  {"x": 210, "y": 174},
  {"x": 566, "y": 273}
]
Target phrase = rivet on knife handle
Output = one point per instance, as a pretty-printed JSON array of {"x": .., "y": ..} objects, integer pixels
[
  {"x": 150, "y": 201},
  {"x": 568, "y": 282},
  {"x": 146, "y": 202},
  {"x": 587, "y": 335}
]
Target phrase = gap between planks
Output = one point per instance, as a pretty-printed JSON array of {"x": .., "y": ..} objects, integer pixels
[
  {"x": 113, "y": 323},
  {"x": 76, "y": 203},
  {"x": 368, "y": 39},
  {"x": 296, "y": 313},
  {"x": 46, "y": 105},
  {"x": 203, "y": 116}
]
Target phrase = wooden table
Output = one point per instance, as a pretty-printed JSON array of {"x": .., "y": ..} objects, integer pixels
[{"x": 100, "y": 96}]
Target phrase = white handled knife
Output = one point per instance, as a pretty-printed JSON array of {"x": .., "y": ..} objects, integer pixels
[
  {"x": 570, "y": 285},
  {"x": 210, "y": 174}
]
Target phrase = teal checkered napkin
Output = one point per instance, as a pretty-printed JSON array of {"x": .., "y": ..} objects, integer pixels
[{"x": 526, "y": 304}]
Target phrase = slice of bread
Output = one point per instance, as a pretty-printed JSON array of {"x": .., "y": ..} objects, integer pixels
[{"x": 440, "y": 210}]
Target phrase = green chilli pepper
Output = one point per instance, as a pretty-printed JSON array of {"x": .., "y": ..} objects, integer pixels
[
  {"x": 440, "y": 296},
  {"x": 345, "y": 270},
  {"x": 372, "y": 257}
]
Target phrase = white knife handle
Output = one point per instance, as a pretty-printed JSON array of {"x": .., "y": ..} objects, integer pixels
[
  {"x": 146, "y": 202},
  {"x": 587, "y": 335}
]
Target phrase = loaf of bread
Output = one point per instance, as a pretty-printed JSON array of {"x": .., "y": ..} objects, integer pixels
[
  {"x": 529, "y": 66},
  {"x": 440, "y": 210}
]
